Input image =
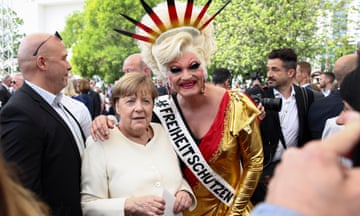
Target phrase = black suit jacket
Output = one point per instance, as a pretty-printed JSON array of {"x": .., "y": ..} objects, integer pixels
[
  {"x": 270, "y": 125},
  {"x": 161, "y": 90},
  {"x": 37, "y": 140},
  {"x": 321, "y": 110},
  {"x": 271, "y": 132},
  {"x": 4, "y": 95}
]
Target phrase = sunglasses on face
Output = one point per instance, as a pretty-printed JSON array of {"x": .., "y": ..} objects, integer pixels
[
  {"x": 13, "y": 82},
  {"x": 57, "y": 35}
]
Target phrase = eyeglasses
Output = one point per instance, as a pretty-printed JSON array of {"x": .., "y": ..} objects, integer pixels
[
  {"x": 13, "y": 81},
  {"x": 57, "y": 35}
]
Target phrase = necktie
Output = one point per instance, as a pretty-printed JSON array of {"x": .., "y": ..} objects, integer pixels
[{"x": 72, "y": 123}]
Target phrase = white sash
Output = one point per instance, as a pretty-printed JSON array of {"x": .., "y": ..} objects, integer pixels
[{"x": 189, "y": 152}]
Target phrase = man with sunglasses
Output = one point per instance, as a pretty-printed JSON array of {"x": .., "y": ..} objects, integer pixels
[
  {"x": 17, "y": 81},
  {"x": 39, "y": 133}
]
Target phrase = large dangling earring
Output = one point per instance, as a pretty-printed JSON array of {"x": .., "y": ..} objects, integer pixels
[{"x": 202, "y": 90}]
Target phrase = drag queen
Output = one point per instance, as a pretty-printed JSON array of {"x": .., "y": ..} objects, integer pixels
[{"x": 213, "y": 130}]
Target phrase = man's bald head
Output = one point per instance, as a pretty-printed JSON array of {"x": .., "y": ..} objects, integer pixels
[
  {"x": 26, "y": 49},
  {"x": 134, "y": 63},
  {"x": 344, "y": 65},
  {"x": 43, "y": 61}
]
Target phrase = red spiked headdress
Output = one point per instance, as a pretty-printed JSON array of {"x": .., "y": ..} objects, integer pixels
[{"x": 153, "y": 34}]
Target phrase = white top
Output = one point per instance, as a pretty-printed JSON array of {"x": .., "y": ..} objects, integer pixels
[
  {"x": 331, "y": 127},
  {"x": 289, "y": 122},
  {"x": 118, "y": 168},
  {"x": 326, "y": 92},
  {"x": 80, "y": 112}
]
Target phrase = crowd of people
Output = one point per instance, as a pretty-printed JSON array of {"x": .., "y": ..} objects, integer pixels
[{"x": 180, "y": 145}]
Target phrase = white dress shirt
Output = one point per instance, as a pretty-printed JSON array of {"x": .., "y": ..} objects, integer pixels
[
  {"x": 81, "y": 113},
  {"x": 289, "y": 122}
]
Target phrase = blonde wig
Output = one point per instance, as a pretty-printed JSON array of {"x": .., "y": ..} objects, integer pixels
[{"x": 174, "y": 42}]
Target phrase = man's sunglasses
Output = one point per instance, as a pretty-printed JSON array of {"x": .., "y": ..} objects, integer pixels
[{"x": 57, "y": 35}]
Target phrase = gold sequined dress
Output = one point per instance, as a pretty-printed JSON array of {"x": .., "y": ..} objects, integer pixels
[{"x": 233, "y": 149}]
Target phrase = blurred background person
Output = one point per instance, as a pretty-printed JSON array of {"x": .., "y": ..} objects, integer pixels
[
  {"x": 91, "y": 100},
  {"x": 326, "y": 82},
  {"x": 349, "y": 92},
  {"x": 5, "y": 90},
  {"x": 303, "y": 78},
  {"x": 257, "y": 82},
  {"x": 70, "y": 90},
  {"x": 222, "y": 77},
  {"x": 83, "y": 87},
  {"x": 161, "y": 89},
  {"x": 330, "y": 106},
  {"x": 97, "y": 103},
  {"x": 99, "y": 91},
  {"x": 134, "y": 63},
  {"x": 17, "y": 81}
]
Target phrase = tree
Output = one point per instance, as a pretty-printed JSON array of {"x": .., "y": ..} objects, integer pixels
[
  {"x": 9, "y": 38},
  {"x": 96, "y": 48},
  {"x": 246, "y": 32},
  {"x": 341, "y": 39},
  {"x": 74, "y": 27}
]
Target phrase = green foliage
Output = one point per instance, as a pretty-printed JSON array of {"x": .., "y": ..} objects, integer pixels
[
  {"x": 74, "y": 27},
  {"x": 246, "y": 32},
  {"x": 10, "y": 37},
  {"x": 96, "y": 47}
]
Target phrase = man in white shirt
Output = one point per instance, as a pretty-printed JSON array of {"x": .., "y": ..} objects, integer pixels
[{"x": 287, "y": 128}]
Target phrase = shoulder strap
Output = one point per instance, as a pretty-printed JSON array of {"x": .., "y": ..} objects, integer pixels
[
  {"x": 282, "y": 139},
  {"x": 268, "y": 92},
  {"x": 77, "y": 122},
  {"x": 305, "y": 97}
]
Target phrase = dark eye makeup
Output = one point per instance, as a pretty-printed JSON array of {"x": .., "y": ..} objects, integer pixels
[
  {"x": 192, "y": 67},
  {"x": 175, "y": 69}
]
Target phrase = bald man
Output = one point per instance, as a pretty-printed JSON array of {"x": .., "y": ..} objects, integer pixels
[
  {"x": 38, "y": 135},
  {"x": 134, "y": 63},
  {"x": 345, "y": 65},
  {"x": 332, "y": 105}
]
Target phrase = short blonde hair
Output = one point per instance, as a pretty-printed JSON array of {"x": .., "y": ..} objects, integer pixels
[
  {"x": 177, "y": 41},
  {"x": 133, "y": 83}
]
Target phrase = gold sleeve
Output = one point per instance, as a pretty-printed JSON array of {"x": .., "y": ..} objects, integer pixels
[{"x": 245, "y": 127}]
